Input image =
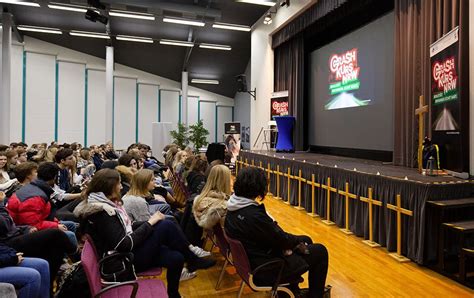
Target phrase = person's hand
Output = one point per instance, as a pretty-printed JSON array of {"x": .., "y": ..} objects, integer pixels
[
  {"x": 20, "y": 257},
  {"x": 62, "y": 227},
  {"x": 155, "y": 218},
  {"x": 287, "y": 252},
  {"x": 32, "y": 230},
  {"x": 302, "y": 248},
  {"x": 2, "y": 196}
]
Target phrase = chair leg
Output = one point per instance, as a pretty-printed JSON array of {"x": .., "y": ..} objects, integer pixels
[
  {"x": 221, "y": 275},
  {"x": 241, "y": 290},
  {"x": 286, "y": 290}
]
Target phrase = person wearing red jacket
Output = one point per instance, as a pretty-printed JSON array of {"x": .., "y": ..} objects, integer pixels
[{"x": 31, "y": 204}]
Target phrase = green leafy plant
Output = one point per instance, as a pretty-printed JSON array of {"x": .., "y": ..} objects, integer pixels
[
  {"x": 198, "y": 135},
  {"x": 180, "y": 136}
]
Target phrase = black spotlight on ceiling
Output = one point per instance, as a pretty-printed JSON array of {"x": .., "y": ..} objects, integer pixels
[
  {"x": 96, "y": 4},
  {"x": 284, "y": 3},
  {"x": 94, "y": 16},
  {"x": 242, "y": 86}
]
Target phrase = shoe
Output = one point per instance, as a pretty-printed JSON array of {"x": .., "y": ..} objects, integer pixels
[
  {"x": 327, "y": 291},
  {"x": 186, "y": 275},
  {"x": 201, "y": 253},
  {"x": 200, "y": 263}
]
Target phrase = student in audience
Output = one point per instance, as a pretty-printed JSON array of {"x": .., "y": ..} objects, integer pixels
[
  {"x": 26, "y": 172},
  {"x": 65, "y": 160},
  {"x": 50, "y": 244},
  {"x": 187, "y": 166},
  {"x": 170, "y": 154},
  {"x": 128, "y": 161},
  {"x": 264, "y": 241},
  {"x": 196, "y": 177},
  {"x": 156, "y": 242},
  {"x": 12, "y": 160},
  {"x": 85, "y": 163},
  {"x": 30, "y": 276},
  {"x": 213, "y": 164},
  {"x": 22, "y": 155},
  {"x": 5, "y": 181},
  {"x": 140, "y": 202},
  {"x": 109, "y": 151},
  {"x": 126, "y": 176},
  {"x": 31, "y": 205},
  {"x": 210, "y": 207},
  {"x": 96, "y": 157},
  {"x": 179, "y": 159}
]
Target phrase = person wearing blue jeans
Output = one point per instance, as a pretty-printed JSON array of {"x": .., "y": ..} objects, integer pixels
[
  {"x": 30, "y": 277},
  {"x": 71, "y": 231}
]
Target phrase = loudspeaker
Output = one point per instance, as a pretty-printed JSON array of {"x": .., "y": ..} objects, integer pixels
[{"x": 241, "y": 83}]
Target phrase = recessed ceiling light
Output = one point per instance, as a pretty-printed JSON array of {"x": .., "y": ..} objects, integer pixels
[
  {"x": 177, "y": 43},
  {"x": 183, "y": 22},
  {"x": 203, "y": 81},
  {"x": 89, "y": 34},
  {"x": 69, "y": 7},
  {"x": 215, "y": 46},
  {"x": 231, "y": 27},
  {"x": 39, "y": 29},
  {"x": 132, "y": 15},
  {"x": 24, "y": 3},
  {"x": 258, "y": 2},
  {"x": 134, "y": 38}
]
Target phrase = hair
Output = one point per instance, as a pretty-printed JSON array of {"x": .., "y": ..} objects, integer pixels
[
  {"x": 48, "y": 171},
  {"x": 178, "y": 157},
  {"x": 10, "y": 154},
  {"x": 125, "y": 159},
  {"x": 199, "y": 164},
  {"x": 22, "y": 171},
  {"x": 85, "y": 154},
  {"x": 110, "y": 164},
  {"x": 212, "y": 165},
  {"x": 170, "y": 156},
  {"x": 22, "y": 144},
  {"x": 140, "y": 182},
  {"x": 126, "y": 173},
  {"x": 218, "y": 181},
  {"x": 251, "y": 183},
  {"x": 5, "y": 167},
  {"x": 13, "y": 145},
  {"x": 105, "y": 181},
  {"x": 3, "y": 148},
  {"x": 63, "y": 154},
  {"x": 20, "y": 151}
]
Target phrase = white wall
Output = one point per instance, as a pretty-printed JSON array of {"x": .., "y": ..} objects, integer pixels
[
  {"x": 86, "y": 98},
  {"x": 261, "y": 60},
  {"x": 242, "y": 108},
  {"x": 471, "y": 84}
]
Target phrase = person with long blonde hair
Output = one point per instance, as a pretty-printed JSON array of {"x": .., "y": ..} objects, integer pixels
[{"x": 210, "y": 207}]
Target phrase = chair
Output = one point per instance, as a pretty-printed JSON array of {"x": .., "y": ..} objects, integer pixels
[
  {"x": 142, "y": 288},
  {"x": 242, "y": 265},
  {"x": 221, "y": 242}
]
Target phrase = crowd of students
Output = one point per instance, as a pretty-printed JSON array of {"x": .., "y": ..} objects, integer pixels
[{"x": 51, "y": 196}]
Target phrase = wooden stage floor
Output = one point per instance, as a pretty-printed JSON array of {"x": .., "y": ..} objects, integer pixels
[{"x": 355, "y": 270}]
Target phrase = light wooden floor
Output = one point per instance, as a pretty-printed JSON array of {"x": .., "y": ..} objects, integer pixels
[{"x": 355, "y": 270}]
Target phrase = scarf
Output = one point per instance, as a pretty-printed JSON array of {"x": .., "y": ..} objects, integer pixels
[{"x": 111, "y": 208}]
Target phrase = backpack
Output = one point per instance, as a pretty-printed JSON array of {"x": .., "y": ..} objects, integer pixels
[{"x": 73, "y": 283}]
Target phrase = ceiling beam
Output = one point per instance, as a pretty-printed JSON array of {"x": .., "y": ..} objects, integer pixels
[
  {"x": 188, "y": 50},
  {"x": 18, "y": 34}
]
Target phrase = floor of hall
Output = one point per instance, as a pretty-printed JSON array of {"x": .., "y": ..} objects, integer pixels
[{"x": 355, "y": 270}]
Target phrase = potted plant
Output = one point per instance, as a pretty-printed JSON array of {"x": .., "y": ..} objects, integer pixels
[
  {"x": 198, "y": 135},
  {"x": 180, "y": 136}
]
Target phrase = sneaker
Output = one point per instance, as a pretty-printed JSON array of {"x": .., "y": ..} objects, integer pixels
[
  {"x": 200, "y": 263},
  {"x": 186, "y": 275},
  {"x": 201, "y": 253}
]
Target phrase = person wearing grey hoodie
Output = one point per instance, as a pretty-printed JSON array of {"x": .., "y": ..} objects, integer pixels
[{"x": 264, "y": 240}]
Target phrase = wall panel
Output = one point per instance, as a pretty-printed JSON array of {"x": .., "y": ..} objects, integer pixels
[
  {"x": 147, "y": 111},
  {"x": 125, "y": 100},
  {"x": 224, "y": 114},
  {"x": 207, "y": 113},
  {"x": 16, "y": 103},
  {"x": 192, "y": 109},
  {"x": 169, "y": 106},
  {"x": 95, "y": 131}
]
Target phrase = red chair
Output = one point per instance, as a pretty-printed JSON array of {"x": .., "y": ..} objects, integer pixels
[
  {"x": 221, "y": 242},
  {"x": 242, "y": 265},
  {"x": 142, "y": 288}
]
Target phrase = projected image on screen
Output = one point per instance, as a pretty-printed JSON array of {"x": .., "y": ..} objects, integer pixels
[
  {"x": 351, "y": 90},
  {"x": 344, "y": 81}
]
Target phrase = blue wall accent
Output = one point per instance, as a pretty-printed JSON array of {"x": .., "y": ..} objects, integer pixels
[
  {"x": 23, "y": 109},
  {"x": 86, "y": 102},
  {"x": 56, "y": 100},
  {"x": 136, "y": 113}
]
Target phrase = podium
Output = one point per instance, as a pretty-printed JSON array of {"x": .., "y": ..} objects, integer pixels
[{"x": 285, "y": 126}]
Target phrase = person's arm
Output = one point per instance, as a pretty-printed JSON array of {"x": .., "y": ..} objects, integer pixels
[
  {"x": 136, "y": 208},
  {"x": 8, "y": 256}
]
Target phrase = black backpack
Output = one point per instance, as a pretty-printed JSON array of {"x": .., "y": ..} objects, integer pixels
[{"x": 73, "y": 283}]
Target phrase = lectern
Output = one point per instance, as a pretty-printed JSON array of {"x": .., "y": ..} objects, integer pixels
[{"x": 285, "y": 126}]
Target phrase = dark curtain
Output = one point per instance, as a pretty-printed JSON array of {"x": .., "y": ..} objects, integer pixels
[
  {"x": 289, "y": 75},
  {"x": 307, "y": 18},
  {"x": 418, "y": 24}
]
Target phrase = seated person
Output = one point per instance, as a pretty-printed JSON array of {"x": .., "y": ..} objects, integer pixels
[
  {"x": 264, "y": 240},
  {"x": 31, "y": 204},
  {"x": 6, "y": 182},
  {"x": 156, "y": 242},
  {"x": 30, "y": 276},
  {"x": 196, "y": 177}
]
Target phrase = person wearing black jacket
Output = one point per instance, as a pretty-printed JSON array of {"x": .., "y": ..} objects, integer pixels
[
  {"x": 154, "y": 243},
  {"x": 264, "y": 241}
]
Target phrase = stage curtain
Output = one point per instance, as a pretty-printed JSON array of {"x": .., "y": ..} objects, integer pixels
[
  {"x": 289, "y": 75},
  {"x": 307, "y": 18},
  {"x": 418, "y": 24}
]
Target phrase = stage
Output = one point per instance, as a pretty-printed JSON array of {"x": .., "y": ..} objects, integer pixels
[{"x": 386, "y": 182}]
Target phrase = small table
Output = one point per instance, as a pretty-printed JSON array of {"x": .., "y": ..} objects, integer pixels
[{"x": 285, "y": 133}]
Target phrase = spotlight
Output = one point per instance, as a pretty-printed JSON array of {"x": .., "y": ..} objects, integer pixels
[
  {"x": 268, "y": 19},
  {"x": 95, "y": 16},
  {"x": 284, "y": 3}
]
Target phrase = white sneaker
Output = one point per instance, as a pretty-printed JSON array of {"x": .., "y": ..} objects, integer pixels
[
  {"x": 201, "y": 253},
  {"x": 186, "y": 275}
]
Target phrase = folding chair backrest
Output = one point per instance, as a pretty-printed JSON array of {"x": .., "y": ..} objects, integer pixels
[
  {"x": 90, "y": 263},
  {"x": 239, "y": 258}
]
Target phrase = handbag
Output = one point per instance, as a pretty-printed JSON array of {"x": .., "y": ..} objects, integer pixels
[{"x": 117, "y": 267}]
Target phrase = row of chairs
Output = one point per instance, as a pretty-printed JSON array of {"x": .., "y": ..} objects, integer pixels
[{"x": 180, "y": 191}]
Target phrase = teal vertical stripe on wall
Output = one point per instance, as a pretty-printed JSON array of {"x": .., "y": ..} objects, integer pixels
[
  {"x": 215, "y": 125},
  {"x": 113, "y": 111},
  {"x": 86, "y": 99},
  {"x": 23, "y": 110},
  {"x": 232, "y": 114},
  {"x": 179, "y": 107},
  {"x": 136, "y": 113},
  {"x": 159, "y": 105},
  {"x": 56, "y": 100}
]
